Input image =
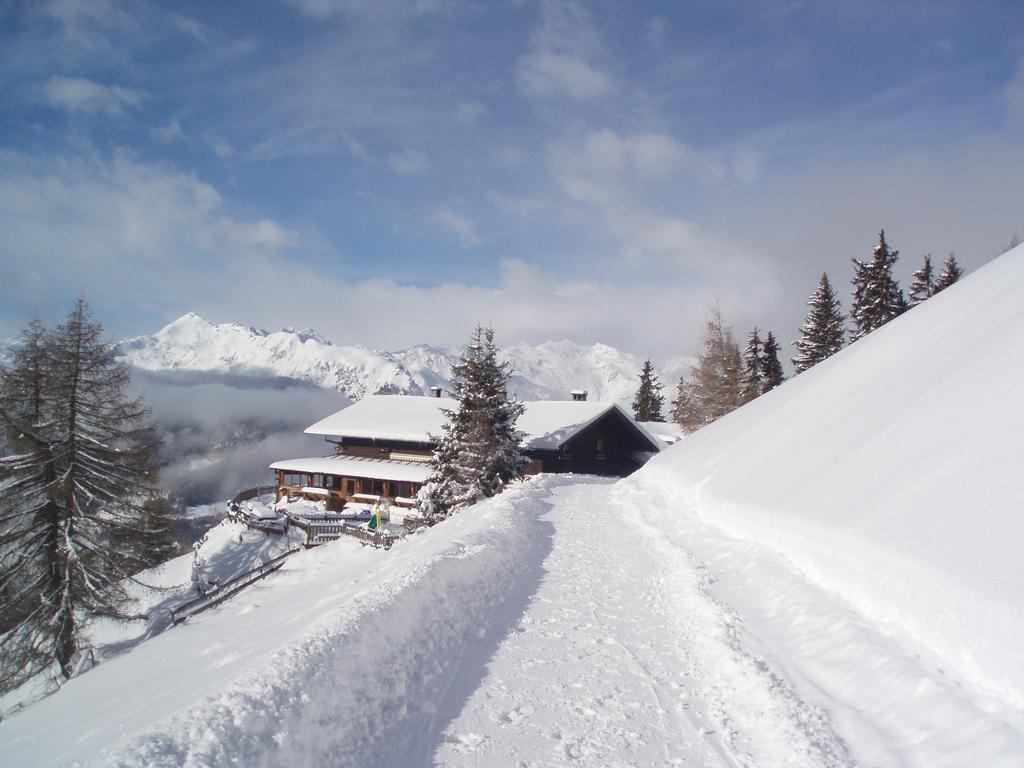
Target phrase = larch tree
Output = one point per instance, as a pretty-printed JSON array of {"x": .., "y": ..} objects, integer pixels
[
  {"x": 648, "y": 400},
  {"x": 753, "y": 378},
  {"x": 922, "y": 286},
  {"x": 771, "y": 368},
  {"x": 951, "y": 272},
  {"x": 823, "y": 330},
  {"x": 877, "y": 297},
  {"x": 82, "y": 520},
  {"x": 718, "y": 375},
  {"x": 479, "y": 450}
]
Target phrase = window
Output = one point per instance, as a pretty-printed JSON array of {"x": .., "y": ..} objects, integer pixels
[
  {"x": 602, "y": 447},
  {"x": 376, "y": 487}
]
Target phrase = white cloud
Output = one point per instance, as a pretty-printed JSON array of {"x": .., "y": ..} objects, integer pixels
[
  {"x": 545, "y": 73},
  {"x": 563, "y": 56},
  {"x": 165, "y": 134},
  {"x": 326, "y": 9},
  {"x": 657, "y": 28},
  {"x": 647, "y": 153},
  {"x": 408, "y": 162},
  {"x": 508, "y": 157},
  {"x": 128, "y": 233},
  {"x": 220, "y": 147},
  {"x": 1014, "y": 91},
  {"x": 514, "y": 206},
  {"x": 459, "y": 225},
  {"x": 76, "y": 94},
  {"x": 469, "y": 112}
]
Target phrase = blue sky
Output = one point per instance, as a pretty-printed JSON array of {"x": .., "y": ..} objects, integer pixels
[{"x": 393, "y": 172}]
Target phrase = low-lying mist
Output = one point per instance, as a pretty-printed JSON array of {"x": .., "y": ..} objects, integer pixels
[{"x": 221, "y": 431}]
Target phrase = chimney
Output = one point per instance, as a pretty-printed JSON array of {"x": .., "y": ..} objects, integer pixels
[
  {"x": 435, "y": 391},
  {"x": 579, "y": 395}
]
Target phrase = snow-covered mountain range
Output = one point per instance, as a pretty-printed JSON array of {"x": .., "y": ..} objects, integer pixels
[{"x": 545, "y": 371}]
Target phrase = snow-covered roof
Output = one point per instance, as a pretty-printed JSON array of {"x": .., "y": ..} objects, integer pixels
[
  {"x": 547, "y": 423},
  {"x": 667, "y": 431},
  {"x": 359, "y": 466}
]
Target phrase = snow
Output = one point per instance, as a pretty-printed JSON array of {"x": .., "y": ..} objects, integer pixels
[
  {"x": 828, "y": 576},
  {"x": 547, "y": 424},
  {"x": 547, "y": 371},
  {"x": 668, "y": 432},
  {"x": 343, "y": 657},
  {"x": 357, "y": 466},
  {"x": 889, "y": 474}
]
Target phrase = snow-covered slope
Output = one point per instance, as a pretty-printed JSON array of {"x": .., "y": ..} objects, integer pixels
[
  {"x": 891, "y": 475},
  {"x": 194, "y": 344},
  {"x": 547, "y": 371}
]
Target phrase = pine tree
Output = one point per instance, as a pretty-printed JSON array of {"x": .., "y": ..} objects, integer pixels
[
  {"x": 771, "y": 368},
  {"x": 753, "y": 379},
  {"x": 822, "y": 333},
  {"x": 479, "y": 450},
  {"x": 877, "y": 297},
  {"x": 648, "y": 401},
  {"x": 922, "y": 286},
  {"x": 78, "y": 523},
  {"x": 951, "y": 272},
  {"x": 684, "y": 408}
]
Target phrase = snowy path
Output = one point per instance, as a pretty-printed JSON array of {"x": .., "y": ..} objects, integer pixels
[
  {"x": 664, "y": 642},
  {"x": 604, "y": 670},
  {"x": 568, "y": 621}
]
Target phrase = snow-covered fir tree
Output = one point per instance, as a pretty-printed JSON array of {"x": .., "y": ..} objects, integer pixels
[
  {"x": 479, "y": 449},
  {"x": 822, "y": 333},
  {"x": 753, "y": 377},
  {"x": 877, "y": 297},
  {"x": 648, "y": 400},
  {"x": 951, "y": 272},
  {"x": 79, "y": 515},
  {"x": 922, "y": 286},
  {"x": 771, "y": 368}
]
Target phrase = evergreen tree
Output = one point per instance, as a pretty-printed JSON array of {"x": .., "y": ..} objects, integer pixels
[
  {"x": 479, "y": 450},
  {"x": 951, "y": 272},
  {"x": 77, "y": 524},
  {"x": 684, "y": 408},
  {"x": 877, "y": 297},
  {"x": 753, "y": 378},
  {"x": 922, "y": 286},
  {"x": 822, "y": 333},
  {"x": 771, "y": 368},
  {"x": 648, "y": 400}
]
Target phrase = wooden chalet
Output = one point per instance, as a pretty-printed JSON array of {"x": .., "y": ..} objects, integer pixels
[{"x": 383, "y": 444}]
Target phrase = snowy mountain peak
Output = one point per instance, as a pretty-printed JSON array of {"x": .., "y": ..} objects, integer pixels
[{"x": 546, "y": 371}]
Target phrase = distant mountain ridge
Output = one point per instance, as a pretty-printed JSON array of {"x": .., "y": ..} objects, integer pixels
[{"x": 540, "y": 372}]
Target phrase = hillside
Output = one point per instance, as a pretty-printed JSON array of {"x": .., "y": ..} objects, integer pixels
[{"x": 891, "y": 474}]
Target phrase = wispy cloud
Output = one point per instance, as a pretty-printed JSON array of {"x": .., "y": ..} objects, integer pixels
[
  {"x": 459, "y": 225},
  {"x": 513, "y": 205},
  {"x": 469, "y": 112},
  {"x": 165, "y": 134},
  {"x": 408, "y": 162},
  {"x": 77, "y": 94},
  {"x": 562, "y": 60}
]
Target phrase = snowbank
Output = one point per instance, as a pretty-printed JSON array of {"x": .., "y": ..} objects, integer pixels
[
  {"x": 891, "y": 474},
  {"x": 347, "y": 656}
]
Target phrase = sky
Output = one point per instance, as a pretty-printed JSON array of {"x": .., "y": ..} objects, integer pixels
[{"x": 393, "y": 172}]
